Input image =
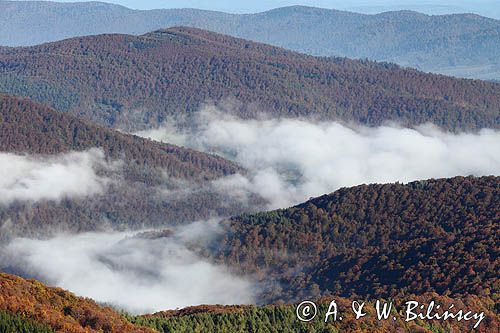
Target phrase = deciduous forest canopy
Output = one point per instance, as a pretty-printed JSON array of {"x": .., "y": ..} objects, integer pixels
[
  {"x": 141, "y": 170},
  {"x": 375, "y": 241},
  {"x": 243, "y": 128},
  {"x": 461, "y": 44},
  {"x": 135, "y": 82}
]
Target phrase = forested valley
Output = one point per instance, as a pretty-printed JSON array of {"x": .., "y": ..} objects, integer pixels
[{"x": 175, "y": 181}]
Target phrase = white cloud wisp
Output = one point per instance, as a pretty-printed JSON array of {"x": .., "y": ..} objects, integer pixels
[
  {"x": 140, "y": 273},
  {"x": 28, "y": 178},
  {"x": 291, "y": 160}
]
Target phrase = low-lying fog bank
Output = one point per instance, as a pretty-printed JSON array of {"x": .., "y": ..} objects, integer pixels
[
  {"x": 291, "y": 160},
  {"x": 288, "y": 161},
  {"x": 138, "y": 272}
]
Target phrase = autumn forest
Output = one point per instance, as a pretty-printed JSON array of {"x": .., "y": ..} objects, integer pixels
[{"x": 224, "y": 175}]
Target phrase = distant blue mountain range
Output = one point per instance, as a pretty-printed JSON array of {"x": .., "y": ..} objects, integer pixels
[{"x": 464, "y": 45}]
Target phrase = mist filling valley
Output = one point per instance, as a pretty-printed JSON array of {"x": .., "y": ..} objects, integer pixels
[
  {"x": 141, "y": 272},
  {"x": 287, "y": 162},
  {"x": 291, "y": 160}
]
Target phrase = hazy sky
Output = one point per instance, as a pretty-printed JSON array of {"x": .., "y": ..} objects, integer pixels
[{"x": 484, "y": 7}]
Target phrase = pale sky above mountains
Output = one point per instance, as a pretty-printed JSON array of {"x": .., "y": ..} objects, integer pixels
[{"x": 489, "y": 8}]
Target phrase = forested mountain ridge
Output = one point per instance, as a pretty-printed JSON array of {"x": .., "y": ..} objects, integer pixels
[
  {"x": 134, "y": 201},
  {"x": 437, "y": 239},
  {"x": 29, "y": 127},
  {"x": 283, "y": 318},
  {"x": 135, "y": 82},
  {"x": 60, "y": 309},
  {"x": 31, "y": 305},
  {"x": 375, "y": 241},
  {"x": 459, "y": 44}
]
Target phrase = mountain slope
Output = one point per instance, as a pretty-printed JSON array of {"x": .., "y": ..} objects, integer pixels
[
  {"x": 47, "y": 309},
  {"x": 132, "y": 82},
  {"x": 59, "y": 309},
  {"x": 464, "y": 43},
  {"x": 17, "y": 323},
  {"x": 28, "y": 127},
  {"x": 283, "y": 318},
  {"x": 375, "y": 241},
  {"x": 132, "y": 199},
  {"x": 460, "y": 44}
]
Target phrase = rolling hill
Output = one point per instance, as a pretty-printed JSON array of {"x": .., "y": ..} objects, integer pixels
[
  {"x": 37, "y": 308},
  {"x": 29, "y": 127},
  {"x": 433, "y": 240},
  {"x": 283, "y": 318},
  {"x": 57, "y": 309},
  {"x": 386, "y": 240},
  {"x": 459, "y": 44},
  {"x": 135, "y": 82},
  {"x": 463, "y": 45},
  {"x": 147, "y": 168},
  {"x": 428, "y": 240}
]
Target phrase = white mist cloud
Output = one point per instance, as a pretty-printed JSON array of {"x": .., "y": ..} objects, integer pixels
[
  {"x": 139, "y": 274},
  {"x": 291, "y": 160},
  {"x": 29, "y": 178}
]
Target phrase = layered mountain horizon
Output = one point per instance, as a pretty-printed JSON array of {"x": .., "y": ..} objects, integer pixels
[
  {"x": 462, "y": 45},
  {"x": 196, "y": 171},
  {"x": 137, "y": 82}
]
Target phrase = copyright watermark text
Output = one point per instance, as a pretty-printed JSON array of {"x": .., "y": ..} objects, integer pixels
[{"x": 307, "y": 311}]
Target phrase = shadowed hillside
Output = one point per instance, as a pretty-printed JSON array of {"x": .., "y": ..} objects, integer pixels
[
  {"x": 27, "y": 127},
  {"x": 133, "y": 199}
]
